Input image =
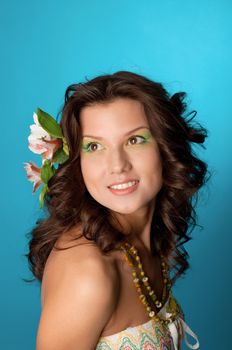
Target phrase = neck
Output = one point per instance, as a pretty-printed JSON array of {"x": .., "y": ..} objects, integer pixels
[{"x": 137, "y": 226}]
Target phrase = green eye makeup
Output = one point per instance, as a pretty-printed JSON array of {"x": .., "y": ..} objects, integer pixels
[
  {"x": 85, "y": 147},
  {"x": 146, "y": 136}
]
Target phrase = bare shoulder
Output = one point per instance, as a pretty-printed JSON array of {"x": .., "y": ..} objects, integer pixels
[
  {"x": 79, "y": 295},
  {"x": 76, "y": 256}
]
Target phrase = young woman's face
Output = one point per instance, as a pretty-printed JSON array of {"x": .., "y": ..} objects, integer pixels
[{"x": 118, "y": 148}]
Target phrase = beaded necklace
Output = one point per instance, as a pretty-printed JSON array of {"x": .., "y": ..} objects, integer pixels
[{"x": 141, "y": 282}]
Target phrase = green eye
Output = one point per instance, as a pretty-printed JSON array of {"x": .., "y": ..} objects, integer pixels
[
  {"x": 89, "y": 147},
  {"x": 137, "y": 137}
]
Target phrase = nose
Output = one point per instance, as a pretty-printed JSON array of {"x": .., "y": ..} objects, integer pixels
[{"x": 118, "y": 161}]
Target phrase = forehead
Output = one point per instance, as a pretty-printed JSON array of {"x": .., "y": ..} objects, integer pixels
[{"x": 120, "y": 116}]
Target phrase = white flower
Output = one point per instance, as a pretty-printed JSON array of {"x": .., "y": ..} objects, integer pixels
[
  {"x": 40, "y": 142},
  {"x": 33, "y": 174}
]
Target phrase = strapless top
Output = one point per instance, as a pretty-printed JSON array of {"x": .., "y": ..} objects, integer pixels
[{"x": 151, "y": 335}]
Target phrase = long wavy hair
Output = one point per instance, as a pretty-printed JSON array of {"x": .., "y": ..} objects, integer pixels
[{"x": 68, "y": 203}]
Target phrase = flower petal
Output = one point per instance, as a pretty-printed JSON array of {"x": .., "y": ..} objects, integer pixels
[{"x": 33, "y": 174}]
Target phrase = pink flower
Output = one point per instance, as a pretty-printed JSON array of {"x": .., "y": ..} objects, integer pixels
[
  {"x": 33, "y": 174},
  {"x": 40, "y": 142}
]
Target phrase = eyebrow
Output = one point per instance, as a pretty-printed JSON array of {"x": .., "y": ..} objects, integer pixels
[{"x": 126, "y": 134}]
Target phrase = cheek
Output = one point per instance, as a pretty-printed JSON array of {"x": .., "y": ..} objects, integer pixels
[
  {"x": 90, "y": 171},
  {"x": 85, "y": 169},
  {"x": 92, "y": 176},
  {"x": 152, "y": 166},
  {"x": 148, "y": 158}
]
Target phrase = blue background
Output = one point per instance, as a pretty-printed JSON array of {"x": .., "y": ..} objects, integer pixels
[{"x": 47, "y": 45}]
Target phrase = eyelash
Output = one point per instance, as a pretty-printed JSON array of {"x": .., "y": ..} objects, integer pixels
[{"x": 92, "y": 142}]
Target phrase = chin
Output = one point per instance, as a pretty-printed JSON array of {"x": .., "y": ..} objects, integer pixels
[
  {"x": 129, "y": 209},
  {"x": 123, "y": 211}
]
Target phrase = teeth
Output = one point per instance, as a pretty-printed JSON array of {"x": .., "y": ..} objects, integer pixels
[{"x": 123, "y": 186}]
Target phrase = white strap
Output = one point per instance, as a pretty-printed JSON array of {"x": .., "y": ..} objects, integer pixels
[
  {"x": 186, "y": 330},
  {"x": 174, "y": 333},
  {"x": 183, "y": 328},
  {"x": 191, "y": 333}
]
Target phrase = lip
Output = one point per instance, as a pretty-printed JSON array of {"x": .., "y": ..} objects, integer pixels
[
  {"x": 122, "y": 182},
  {"x": 125, "y": 191}
]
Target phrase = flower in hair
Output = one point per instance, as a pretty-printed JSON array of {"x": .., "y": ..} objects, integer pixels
[
  {"x": 41, "y": 142},
  {"x": 33, "y": 174},
  {"x": 46, "y": 138}
]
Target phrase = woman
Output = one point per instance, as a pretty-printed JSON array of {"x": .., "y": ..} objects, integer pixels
[{"x": 119, "y": 209}]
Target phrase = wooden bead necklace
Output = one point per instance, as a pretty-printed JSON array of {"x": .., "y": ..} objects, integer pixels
[{"x": 141, "y": 281}]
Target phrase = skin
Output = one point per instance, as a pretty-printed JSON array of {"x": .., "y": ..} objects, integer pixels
[{"x": 114, "y": 153}]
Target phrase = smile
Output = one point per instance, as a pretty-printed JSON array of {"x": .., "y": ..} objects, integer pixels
[{"x": 125, "y": 188}]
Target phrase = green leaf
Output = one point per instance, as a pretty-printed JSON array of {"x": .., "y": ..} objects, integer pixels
[
  {"x": 42, "y": 195},
  {"x": 65, "y": 146},
  {"x": 49, "y": 124},
  {"x": 60, "y": 156},
  {"x": 47, "y": 171}
]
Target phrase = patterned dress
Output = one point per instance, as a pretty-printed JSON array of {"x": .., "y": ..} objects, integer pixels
[{"x": 151, "y": 335}]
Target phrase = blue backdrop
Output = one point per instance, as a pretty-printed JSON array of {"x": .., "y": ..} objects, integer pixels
[{"x": 47, "y": 45}]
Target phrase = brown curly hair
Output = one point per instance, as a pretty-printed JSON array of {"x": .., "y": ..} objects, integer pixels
[{"x": 68, "y": 202}]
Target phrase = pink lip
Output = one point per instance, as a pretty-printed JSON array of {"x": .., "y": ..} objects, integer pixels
[
  {"x": 122, "y": 182},
  {"x": 125, "y": 191}
]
